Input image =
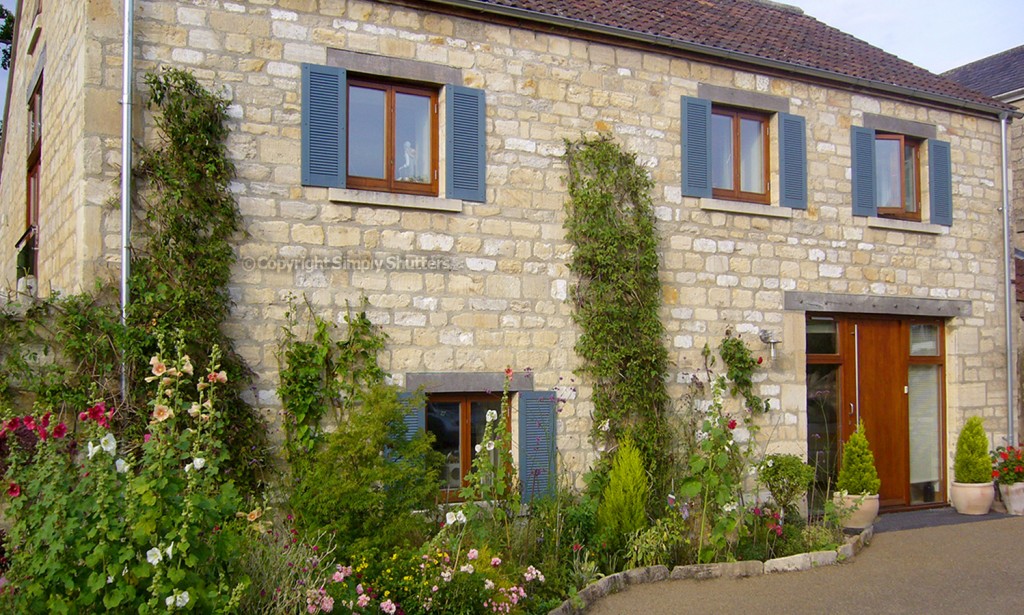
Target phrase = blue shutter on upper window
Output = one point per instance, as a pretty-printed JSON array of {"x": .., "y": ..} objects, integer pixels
[
  {"x": 862, "y": 150},
  {"x": 792, "y": 161},
  {"x": 466, "y": 144},
  {"x": 940, "y": 182},
  {"x": 537, "y": 443},
  {"x": 696, "y": 139},
  {"x": 415, "y": 418},
  {"x": 323, "y": 126}
]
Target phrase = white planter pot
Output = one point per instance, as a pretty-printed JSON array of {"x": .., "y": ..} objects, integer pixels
[
  {"x": 972, "y": 498},
  {"x": 1013, "y": 497},
  {"x": 864, "y": 510}
]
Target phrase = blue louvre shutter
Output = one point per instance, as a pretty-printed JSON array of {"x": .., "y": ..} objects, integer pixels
[
  {"x": 862, "y": 149},
  {"x": 415, "y": 418},
  {"x": 323, "y": 126},
  {"x": 466, "y": 144},
  {"x": 537, "y": 443},
  {"x": 793, "y": 161},
  {"x": 940, "y": 182},
  {"x": 696, "y": 139}
]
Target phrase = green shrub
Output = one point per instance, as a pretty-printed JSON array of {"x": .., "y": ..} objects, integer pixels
[
  {"x": 622, "y": 510},
  {"x": 368, "y": 480},
  {"x": 972, "y": 463},
  {"x": 857, "y": 475},
  {"x": 787, "y": 478}
]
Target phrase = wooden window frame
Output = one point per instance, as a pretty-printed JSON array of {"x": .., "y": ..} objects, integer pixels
[
  {"x": 901, "y": 212},
  {"x": 736, "y": 194},
  {"x": 32, "y": 179},
  {"x": 466, "y": 452},
  {"x": 389, "y": 183}
]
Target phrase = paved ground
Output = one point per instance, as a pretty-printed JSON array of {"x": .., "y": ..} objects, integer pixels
[{"x": 973, "y": 568}]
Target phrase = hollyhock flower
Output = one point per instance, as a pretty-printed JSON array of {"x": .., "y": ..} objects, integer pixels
[
  {"x": 194, "y": 410},
  {"x": 478, "y": 448},
  {"x": 449, "y": 518},
  {"x": 161, "y": 413},
  {"x": 492, "y": 415},
  {"x": 29, "y": 422},
  {"x": 108, "y": 443},
  {"x": 495, "y": 561},
  {"x": 254, "y": 515},
  {"x": 490, "y": 445},
  {"x": 92, "y": 449},
  {"x": 186, "y": 365},
  {"x": 41, "y": 432},
  {"x": 181, "y": 599},
  {"x": 154, "y": 556},
  {"x": 508, "y": 373},
  {"x": 460, "y": 517},
  {"x": 97, "y": 411},
  {"x": 14, "y": 490},
  {"x": 45, "y": 421},
  {"x": 60, "y": 431},
  {"x": 158, "y": 366},
  {"x": 199, "y": 463},
  {"x": 472, "y": 554},
  {"x": 13, "y": 424},
  {"x": 121, "y": 466}
]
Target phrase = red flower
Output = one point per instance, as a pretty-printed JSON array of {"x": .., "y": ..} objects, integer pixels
[
  {"x": 1004, "y": 455},
  {"x": 508, "y": 373},
  {"x": 732, "y": 423},
  {"x": 42, "y": 432},
  {"x": 577, "y": 547},
  {"x": 1019, "y": 469},
  {"x": 760, "y": 360},
  {"x": 96, "y": 412},
  {"x": 60, "y": 430},
  {"x": 46, "y": 420},
  {"x": 995, "y": 473},
  {"x": 13, "y": 424},
  {"x": 29, "y": 422},
  {"x": 14, "y": 490}
]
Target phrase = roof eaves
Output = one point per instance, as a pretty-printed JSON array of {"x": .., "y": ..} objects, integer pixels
[{"x": 575, "y": 24}]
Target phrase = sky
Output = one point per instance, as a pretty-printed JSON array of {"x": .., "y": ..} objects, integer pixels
[{"x": 935, "y": 34}]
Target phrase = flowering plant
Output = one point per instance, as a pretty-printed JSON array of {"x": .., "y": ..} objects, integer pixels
[{"x": 1008, "y": 465}]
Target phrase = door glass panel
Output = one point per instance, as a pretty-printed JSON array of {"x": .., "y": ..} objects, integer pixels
[
  {"x": 412, "y": 138},
  {"x": 887, "y": 173},
  {"x": 822, "y": 337},
  {"x": 822, "y": 430},
  {"x": 443, "y": 422},
  {"x": 721, "y": 151},
  {"x": 751, "y": 156},
  {"x": 923, "y": 392},
  {"x": 924, "y": 340},
  {"x": 366, "y": 129},
  {"x": 478, "y": 418}
]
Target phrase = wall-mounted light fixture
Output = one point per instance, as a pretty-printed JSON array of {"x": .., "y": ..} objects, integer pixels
[{"x": 768, "y": 337}]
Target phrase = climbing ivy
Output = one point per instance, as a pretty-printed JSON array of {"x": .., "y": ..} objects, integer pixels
[
  {"x": 740, "y": 367},
  {"x": 610, "y": 223}
]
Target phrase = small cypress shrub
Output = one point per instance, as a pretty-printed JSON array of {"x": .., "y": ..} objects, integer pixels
[
  {"x": 857, "y": 475},
  {"x": 972, "y": 463},
  {"x": 622, "y": 510}
]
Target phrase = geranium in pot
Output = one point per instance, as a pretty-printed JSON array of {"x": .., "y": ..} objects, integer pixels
[
  {"x": 971, "y": 492},
  {"x": 1008, "y": 471},
  {"x": 858, "y": 481}
]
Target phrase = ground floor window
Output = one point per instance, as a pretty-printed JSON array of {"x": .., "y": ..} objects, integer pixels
[{"x": 457, "y": 422}]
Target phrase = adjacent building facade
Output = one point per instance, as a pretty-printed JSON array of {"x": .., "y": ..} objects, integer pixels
[{"x": 837, "y": 207}]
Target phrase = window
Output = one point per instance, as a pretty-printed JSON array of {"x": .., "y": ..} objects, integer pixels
[
  {"x": 392, "y": 137},
  {"x": 370, "y": 133},
  {"x": 739, "y": 155},
  {"x": 726, "y": 152},
  {"x": 27, "y": 246},
  {"x": 886, "y": 173},
  {"x": 457, "y": 422},
  {"x": 897, "y": 177}
]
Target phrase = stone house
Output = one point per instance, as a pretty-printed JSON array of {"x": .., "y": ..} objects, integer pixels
[{"x": 832, "y": 204}]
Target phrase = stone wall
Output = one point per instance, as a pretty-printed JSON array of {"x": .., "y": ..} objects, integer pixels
[{"x": 485, "y": 287}]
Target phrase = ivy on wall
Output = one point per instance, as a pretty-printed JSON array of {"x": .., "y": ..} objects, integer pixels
[{"x": 610, "y": 223}]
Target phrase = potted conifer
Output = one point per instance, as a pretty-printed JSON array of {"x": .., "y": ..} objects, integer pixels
[
  {"x": 971, "y": 492},
  {"x": 858, "y": 481}
]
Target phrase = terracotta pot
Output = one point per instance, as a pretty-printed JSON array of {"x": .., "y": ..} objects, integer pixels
[
  {"x": 1013, "y": 497},
  {"x": 972, "y": 498},
  {"x": 864, "y": 509}
]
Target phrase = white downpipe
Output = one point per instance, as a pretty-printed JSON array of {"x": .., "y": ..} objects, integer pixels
[
  {"x": 1011, "y": 433},
  {"x": 126, "y": 166}
]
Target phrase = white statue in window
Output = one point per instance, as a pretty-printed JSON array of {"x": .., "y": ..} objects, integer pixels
[{"x": 407, "y": 171}]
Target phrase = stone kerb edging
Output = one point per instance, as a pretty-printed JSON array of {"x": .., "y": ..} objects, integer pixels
[{"x": 619, "y": 581}]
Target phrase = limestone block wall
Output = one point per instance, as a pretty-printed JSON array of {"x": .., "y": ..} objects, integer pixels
[{"x": 483, "y": 288}]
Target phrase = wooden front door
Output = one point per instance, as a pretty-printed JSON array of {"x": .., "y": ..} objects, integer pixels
[{"x": 876, "y": 396}]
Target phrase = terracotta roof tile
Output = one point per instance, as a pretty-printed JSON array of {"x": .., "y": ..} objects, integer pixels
[{"x": 774, "y": 32}]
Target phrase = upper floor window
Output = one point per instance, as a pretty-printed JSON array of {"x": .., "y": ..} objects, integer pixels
[
  {"x": 897, "y": 176},
  {"x": 739, "y": 155},
  {"x": 392, "y": 137}
]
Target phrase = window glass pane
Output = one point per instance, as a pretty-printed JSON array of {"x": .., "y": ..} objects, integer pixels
[
  {"x": 924, "y": 340},
  {"x": 366, "y": 130},
  {"x": 443, "y": 422},
  {"x": 822, "y": 337},
  {"x": 721, "y": 151},
  {"x": 923, "y": 398},
  {"x": 822, "y": 430},
  {"x": 412, "y": 138},
  {"x": 478, "y": 414},
  {"x": 910, "y": 177},
  {"x": 887, "y": 173},
  {"x": 751, "y": 156}
]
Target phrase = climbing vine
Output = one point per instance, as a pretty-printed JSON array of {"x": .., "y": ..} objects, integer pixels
[
  {"x": 740, "y": 367},
  {"x": 610, "y": 222}
]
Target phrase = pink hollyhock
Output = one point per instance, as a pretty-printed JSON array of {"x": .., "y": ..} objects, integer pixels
[
  {"x": 60, "y": 431},
  {"x": 14, "y": 490}
]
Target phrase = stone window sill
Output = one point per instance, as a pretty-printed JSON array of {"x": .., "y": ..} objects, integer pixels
[
  {"x": 908, "y": 226},
  {"x": 747, "y": 209},
  {"x": 389, "y": 199}
]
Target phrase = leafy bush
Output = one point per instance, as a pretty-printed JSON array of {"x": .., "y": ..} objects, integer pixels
[
  {"x": 787, "y": 478},
  {"x": 857, "y": 475},
  {"x": 972, "y": 462},
  {"x": 369, "y": 480}
]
